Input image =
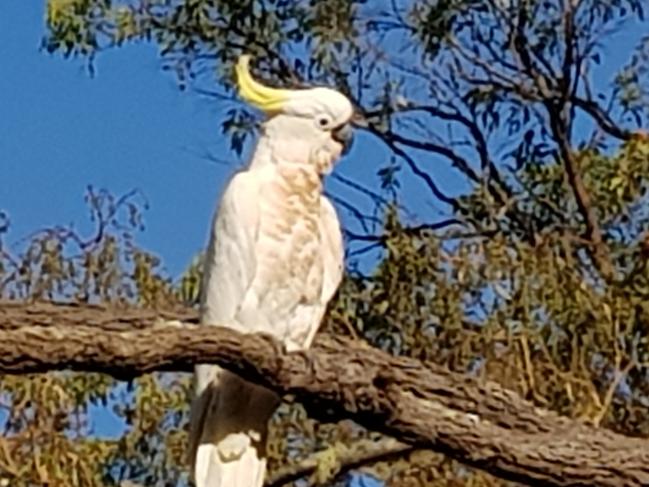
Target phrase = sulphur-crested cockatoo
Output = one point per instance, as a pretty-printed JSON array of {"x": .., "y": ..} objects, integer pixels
[{"x": 274, "y": 260}]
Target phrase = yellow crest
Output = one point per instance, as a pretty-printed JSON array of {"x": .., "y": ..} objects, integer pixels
[{"x": 263, "y": 97}]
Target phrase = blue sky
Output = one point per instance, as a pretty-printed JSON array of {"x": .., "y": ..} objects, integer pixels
[{"x": 127, "y": 127}]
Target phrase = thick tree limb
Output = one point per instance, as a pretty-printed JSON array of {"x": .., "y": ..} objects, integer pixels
[{"x": 480, "y": 424}]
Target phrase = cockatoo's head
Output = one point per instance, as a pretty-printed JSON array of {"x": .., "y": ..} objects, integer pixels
[{"x": 305, "y": 126}]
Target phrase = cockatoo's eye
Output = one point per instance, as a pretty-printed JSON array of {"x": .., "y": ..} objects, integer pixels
[{"x": 323, "y": 122}]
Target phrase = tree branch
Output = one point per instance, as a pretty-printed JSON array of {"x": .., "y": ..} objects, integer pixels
[
  {"x": 362, "y": 453},
  {"x": 480, "y": 424},
  {"x": 416, "y": 170},
  {"x": 456, "y": 161},
  {"x": 603, "y": 120},
  {"x": 594, "y": 235}
]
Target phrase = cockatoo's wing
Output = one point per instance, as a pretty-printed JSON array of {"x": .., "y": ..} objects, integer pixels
[
  {"x": 248, "y": 288},
  {"x": 230, "y": 261},
  {"x": 333, "y": 250},
  {"x": 333, "y": 258},
  {"x": 229, "y": 415}
]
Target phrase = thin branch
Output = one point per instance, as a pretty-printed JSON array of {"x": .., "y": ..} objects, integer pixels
[
  {"x": 604, "y": 121},
  {"x": 594, "y": 235},
  {"x": 362, "y": 218},
  {"x": 519, "y": 47},
  {"x": 456, "y": 161},
  {"x": 481, "y": 147},
  {"x": 411, "y": 231},
  {"x": 565, "y": 82},
  {"x": 358, "y": 455},
  {"x": 417, "y": 171},
  {"x": 373, "y": 195},
  {"x": 365, "y": 249}
]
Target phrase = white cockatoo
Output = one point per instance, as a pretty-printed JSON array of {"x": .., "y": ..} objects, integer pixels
[{"x": 275, "y": 258}]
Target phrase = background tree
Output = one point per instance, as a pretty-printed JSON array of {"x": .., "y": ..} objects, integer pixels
[{"x": 528, "y": 265}]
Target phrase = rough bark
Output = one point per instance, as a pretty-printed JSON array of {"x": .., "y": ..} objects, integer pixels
[{"x": 480, "y": 424}]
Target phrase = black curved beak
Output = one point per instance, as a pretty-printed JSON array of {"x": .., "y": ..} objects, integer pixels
[{"x": 345, "y": 136}]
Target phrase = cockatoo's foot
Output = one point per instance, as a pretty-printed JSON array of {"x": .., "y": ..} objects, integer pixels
[{"x": 291, "y": 345}]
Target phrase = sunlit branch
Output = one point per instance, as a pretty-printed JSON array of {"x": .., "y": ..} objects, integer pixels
[{"x": 477, "y": 423}]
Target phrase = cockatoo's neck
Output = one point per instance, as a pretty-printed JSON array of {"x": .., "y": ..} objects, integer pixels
[{"x": 283, "y": 143}]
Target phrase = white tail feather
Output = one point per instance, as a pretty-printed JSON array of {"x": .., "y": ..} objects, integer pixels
[
  {"x": 228, "y": 430},
  {"x": 212, "y": 471}
]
